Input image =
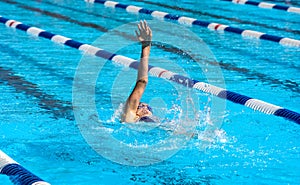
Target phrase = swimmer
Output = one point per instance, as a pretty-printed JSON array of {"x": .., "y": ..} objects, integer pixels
[{"x": 134, "y": 109}]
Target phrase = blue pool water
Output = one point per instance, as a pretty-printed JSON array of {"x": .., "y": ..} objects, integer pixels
[{"x": 39, "y": 130}]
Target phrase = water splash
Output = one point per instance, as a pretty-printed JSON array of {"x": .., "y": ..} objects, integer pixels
[{"x": 180, "y": 120}]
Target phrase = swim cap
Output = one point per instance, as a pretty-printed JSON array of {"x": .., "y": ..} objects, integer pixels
[
  {"x": 149, "y": 119},
  {"x": 148, "y": 107}
]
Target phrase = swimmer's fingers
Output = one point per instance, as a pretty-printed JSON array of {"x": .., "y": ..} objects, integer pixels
[
  {"x": 139, "y": 32},
  {"x": 140, "y": 26},
  {"x": 144, "y": 32},
  {"x": 149, "y": 33},
  {"x": 144, "y": 24},
  {"x": 137, "y": 35},
  {"x": 146, "y": 28}
]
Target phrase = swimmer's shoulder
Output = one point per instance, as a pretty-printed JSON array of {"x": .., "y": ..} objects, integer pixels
[{"x": 129, "y": 116}]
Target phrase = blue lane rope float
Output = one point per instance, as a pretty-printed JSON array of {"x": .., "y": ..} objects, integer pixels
[
  {"x": 267, "y": 5},
  {"x": 18, "y": 174},
  {"x": 194, "y": 22},
  {"x": 252, "y": 103}
]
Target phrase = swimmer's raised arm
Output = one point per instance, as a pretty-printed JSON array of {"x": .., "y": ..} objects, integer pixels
[{"x": 144, "y": 35}]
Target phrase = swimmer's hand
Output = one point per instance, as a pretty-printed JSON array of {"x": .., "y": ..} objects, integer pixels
[{"x": 145, "y": 34}]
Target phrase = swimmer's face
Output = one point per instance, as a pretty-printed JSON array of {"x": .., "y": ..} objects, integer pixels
[{"x": 143, "y": 110}]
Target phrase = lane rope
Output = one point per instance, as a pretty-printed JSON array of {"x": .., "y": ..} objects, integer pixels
[
  {"x": 267, "y": 5},
  {"x": 18, "y": 174},
  {"x": 194, "y": 22},
  {"x": 252, "y": 103}
]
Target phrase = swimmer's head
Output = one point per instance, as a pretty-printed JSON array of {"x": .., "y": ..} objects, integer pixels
[{"x": 144, "y": 110}]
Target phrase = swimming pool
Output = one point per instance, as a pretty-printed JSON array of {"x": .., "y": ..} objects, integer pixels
[{"x": 38, "y": 128}]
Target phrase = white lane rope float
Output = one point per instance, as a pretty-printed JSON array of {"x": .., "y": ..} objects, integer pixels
[
  {"x": 252, "y": 103},
  {"x": 267, "y": 5},
  {"x": 18, "y": 174},
  {"x": 194, "y": 22}
]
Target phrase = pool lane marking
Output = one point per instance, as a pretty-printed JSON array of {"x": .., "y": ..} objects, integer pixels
[
  {"x": 251, "y": 74},
  {"x": 252, "y": 103},
  {"x": 223, "y": 65},
  {"x": 86, "y": 24},
  {"x": 59, "y": 108},
  {"x": 222, "y": 17},
  {"x": 17, "y": 173},
  {"x": 267, "y": 5},
  {"x": 194, "y": 22},
  {"x": 292, "y": 86},
  {"x": 58, "y": 16}
]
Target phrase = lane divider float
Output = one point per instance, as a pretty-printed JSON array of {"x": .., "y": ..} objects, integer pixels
[
  {"x": 267, "y": 5},
  {"x": 18, "y": 174},
  {"x": 252, "y": 103},
  {"x": 194, "y": 22}
]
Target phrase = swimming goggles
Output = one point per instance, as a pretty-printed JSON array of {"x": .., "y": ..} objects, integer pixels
[
  {"x": 141, "y": 105},
  {"x": 147, "y": 118}
]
